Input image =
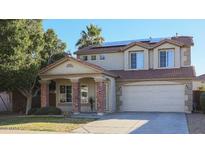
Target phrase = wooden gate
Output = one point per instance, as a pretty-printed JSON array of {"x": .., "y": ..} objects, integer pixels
[
  {"x": 5, "y": 102},
  {"x": 196, "y": 99}
]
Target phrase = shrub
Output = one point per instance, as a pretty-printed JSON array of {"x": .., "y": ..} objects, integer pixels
[
  {"x": 48, "y": 111},
  {"x": 45, "y": 111},
  {"x": 32, "y": 111},
  {"x": 202, "y": 101}
]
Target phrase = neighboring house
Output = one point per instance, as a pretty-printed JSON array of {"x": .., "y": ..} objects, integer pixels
[
  {"x": 139, "y": 75},
  {"x": 199, "y": 82}
]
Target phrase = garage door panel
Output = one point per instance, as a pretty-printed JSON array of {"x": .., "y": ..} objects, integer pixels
[{"x": 163, "y": 98}]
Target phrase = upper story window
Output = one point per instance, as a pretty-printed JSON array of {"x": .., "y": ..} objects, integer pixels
[
  {"x": 136, "y": 60},
  {"x": 166, "y": 58},
  {"x": 85, "y": 58},
  {"x": 93, "y": 57},
  {"x": 102, "y": 57}
]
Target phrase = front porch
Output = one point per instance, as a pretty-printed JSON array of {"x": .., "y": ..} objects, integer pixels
[
  {"x": 78, "y": 94},
  {"x": 79, "y": 87}
]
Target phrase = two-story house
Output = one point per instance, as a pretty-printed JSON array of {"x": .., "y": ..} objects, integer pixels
[{"x": 152, "y": 74}]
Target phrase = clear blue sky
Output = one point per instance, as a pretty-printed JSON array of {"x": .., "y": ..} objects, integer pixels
[{"x": 117, "y": 30}]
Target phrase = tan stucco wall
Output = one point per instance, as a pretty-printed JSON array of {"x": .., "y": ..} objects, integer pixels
[
  {"x": 113, "y": 61},
  {"x": 151, "y": 59},
  {"x": 121, "y": 60},
  {"x": 177, "y": 55},
  {"x": 127, "y": 57},
  {"x": 188, "y": 94},
  {"x": 185, "y": 56},
  {"x": 111, "y": 101},
  {"x": 69, "y": 67}
]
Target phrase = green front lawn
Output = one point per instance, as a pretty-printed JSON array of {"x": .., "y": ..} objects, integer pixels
[{"x": 53, "y": 124}]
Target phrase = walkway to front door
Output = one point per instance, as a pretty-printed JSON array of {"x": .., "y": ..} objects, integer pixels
[{"x": 137, "y": 123}]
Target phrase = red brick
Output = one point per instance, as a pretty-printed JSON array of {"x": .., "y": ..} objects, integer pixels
[
  {"x": 76, "y": 97},
  {"x": 101, "y": 96}
]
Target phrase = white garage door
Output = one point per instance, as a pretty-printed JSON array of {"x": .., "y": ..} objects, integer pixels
[{"x": 161, "y": 98}]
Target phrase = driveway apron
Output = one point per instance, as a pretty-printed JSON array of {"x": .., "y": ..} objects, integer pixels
[{"x": 137, "y": 123}]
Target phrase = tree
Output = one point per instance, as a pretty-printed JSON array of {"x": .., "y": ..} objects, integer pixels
[
  {"x": 54, "y": 47},
  {"x": 92, "y": 36},
  {"x": 23, "y": 48}
]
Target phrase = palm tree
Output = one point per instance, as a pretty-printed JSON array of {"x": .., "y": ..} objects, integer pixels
[{"x": 92, "y": 36}]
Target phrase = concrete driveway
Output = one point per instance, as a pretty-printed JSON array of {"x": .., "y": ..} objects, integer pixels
[{"x": 137, "y": 123}]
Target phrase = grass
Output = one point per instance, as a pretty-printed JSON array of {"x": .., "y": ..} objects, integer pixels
[{"x": 51, "y": 124}]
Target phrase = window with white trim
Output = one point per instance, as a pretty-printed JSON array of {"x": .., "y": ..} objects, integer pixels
[
  {"x": 166, "y": 58},
  {"x": 84, "y": 94},
  {"x": 84, "y": 58},
  {"x": 102, "y": 57},
  {"x": 93, "y": 57},
  {"x": 65, "y": 93},
  {"x": 137, "y": 60}
]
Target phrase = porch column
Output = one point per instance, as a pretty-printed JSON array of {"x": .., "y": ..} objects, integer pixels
[
  {"x": 75, "y": 96},
  {"x": 100, "y": 95},
  {"x": 44, "y": 93}
]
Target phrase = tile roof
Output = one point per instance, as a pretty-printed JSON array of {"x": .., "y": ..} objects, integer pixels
[
  {"x": 187, "y": 40},
  {"x": 201, "y": 77},
  {"x": 150, "y": 43},
  {"x": 184, "y": 72},
  {"x": 93, "y": 50}
]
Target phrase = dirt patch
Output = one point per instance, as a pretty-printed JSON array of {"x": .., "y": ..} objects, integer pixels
[{"x": 196, "y": 123}]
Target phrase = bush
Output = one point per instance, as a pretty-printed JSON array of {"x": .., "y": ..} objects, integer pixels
[
  {"x": 45, "y": 111},
  {"x": 202, "y": 101},
  {"x": 32, "y": 111}
]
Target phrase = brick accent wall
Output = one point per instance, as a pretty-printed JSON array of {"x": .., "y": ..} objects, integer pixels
[
  {"x": 44, "y": 94},
  {"x": 76, "y": 97},
  {"x": 101, "y": 96}
]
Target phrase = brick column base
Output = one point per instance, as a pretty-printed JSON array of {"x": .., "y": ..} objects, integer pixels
[
  {"x": 76, "y": 97},
  {"x": 44, "y": 93},
  {"x": 101, "y": 97}
]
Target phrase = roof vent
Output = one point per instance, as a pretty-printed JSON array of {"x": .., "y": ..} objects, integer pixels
[{"x": 177, "y": 34}]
